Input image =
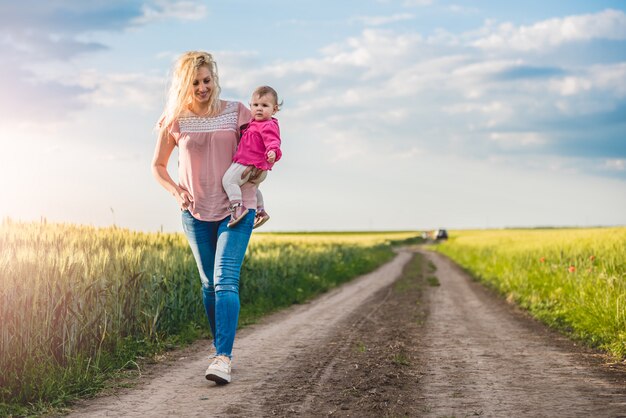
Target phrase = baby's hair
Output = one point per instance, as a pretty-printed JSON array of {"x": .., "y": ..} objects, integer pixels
[{"x": 264, "y": 90}]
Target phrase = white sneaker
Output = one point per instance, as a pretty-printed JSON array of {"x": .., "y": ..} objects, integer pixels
[{"x": 219, "y": 370}]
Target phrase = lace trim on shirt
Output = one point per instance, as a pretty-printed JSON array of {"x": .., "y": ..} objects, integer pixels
[{"x": 226, "y": 121}]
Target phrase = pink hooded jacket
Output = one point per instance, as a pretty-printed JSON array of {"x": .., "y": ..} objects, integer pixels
[{"x": 257, "y": 139}]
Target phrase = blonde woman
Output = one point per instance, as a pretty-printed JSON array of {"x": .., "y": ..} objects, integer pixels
[{"x": 206, "y": 131}]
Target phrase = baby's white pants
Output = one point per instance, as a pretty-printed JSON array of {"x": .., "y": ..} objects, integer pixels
[{"x": 232, "y": 183}]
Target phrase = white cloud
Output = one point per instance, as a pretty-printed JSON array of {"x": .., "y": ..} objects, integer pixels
[
  {"x": 569, "y": 86},
  {"x": 397, "y": 114},
  {"x": 481, "y": 107},
  {"x": 422, "y": 75},
  {"x": 373, "y": 48},
  {"x": 483, "y": 114},
  {"x": 169, "y": 55},
  {"x": 164, "y": 9},
  {"x": 408, "y": 154},
  {"x": 610, "y": 78},
  {"x": 509, "y": 139},
  {"x": 308, "y": 86},
  {"x": 608, "y": 24},
  {"x": 374, "y": 53},
  {"x": 442, "y": 37},
  {"x": 341, "y": 147},
  {"x": 484, "y": 68},
  {"x": 382, "y": 20},
  {"x": 123, "y": 90},
  {"x": 410, "y": 3},
  {"x": 615, "y": 164},
  {"x": 455, "y": 8}
]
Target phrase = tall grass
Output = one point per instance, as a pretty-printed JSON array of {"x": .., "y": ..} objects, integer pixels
[
  {"x": 571, "y": 279},
  {"x": 78, "y": 303}
]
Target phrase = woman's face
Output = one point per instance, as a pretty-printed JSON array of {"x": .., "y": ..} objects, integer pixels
[{"x": 202, "y": 85}]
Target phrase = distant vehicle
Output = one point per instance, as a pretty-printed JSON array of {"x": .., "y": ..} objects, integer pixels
[
  {"x": 441, "y": 234},
  {"x": 435, "y": 235}
]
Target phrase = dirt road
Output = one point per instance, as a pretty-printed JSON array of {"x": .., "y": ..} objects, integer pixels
[
  {"x": 377, "y": 348},
  {"x": 480, "y": 358}
]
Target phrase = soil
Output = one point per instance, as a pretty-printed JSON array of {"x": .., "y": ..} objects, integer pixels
[{"x": 382, "y": 346}]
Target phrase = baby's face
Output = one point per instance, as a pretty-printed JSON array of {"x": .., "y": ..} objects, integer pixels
[{"x": 263, "y": 107}]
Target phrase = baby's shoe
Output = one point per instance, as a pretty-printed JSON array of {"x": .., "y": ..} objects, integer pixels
[
  {"x": 260, "y": 218},
  {"x": 238, "y": 212}
]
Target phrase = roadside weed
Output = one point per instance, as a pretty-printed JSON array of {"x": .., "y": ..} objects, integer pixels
[{"x": 433, "y": 281}]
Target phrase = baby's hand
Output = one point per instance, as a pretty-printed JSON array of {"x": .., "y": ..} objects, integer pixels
[{"x": 271, "y": 156}]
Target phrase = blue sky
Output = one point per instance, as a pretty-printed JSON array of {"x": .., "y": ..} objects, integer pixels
[{"x": 398, "y": 114}]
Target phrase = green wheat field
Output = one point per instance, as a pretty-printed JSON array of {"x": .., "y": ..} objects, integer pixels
[{"x": 78, "y": 304}]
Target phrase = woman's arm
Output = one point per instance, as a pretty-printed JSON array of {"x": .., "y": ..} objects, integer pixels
[{"x": 162, "y": 152}]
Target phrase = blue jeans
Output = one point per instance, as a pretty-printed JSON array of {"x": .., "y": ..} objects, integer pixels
[{"x": 219, "y": 252}]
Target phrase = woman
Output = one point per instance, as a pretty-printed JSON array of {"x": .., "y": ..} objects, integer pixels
[{"x": 206, "y": 131}]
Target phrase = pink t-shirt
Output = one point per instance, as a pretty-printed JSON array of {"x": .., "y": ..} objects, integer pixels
[
  {"x": 206, "y": 146},
  {"x": 257, "y": 139}
]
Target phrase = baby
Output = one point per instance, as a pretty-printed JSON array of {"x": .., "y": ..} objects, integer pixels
[{"x": 259, "y": 147}]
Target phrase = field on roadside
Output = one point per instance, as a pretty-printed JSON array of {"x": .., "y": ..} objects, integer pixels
[
  {"x": 571, "y": 279},
  {"x": 79, "y": 303}
]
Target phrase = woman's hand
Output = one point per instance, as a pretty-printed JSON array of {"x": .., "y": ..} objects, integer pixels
[
  {"x": 271, "y": 157},
  {"x": 184, "y": 199},
  {"x": 253, "y": 171}
]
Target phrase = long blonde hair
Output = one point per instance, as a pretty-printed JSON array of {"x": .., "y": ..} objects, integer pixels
[{"x": 179, "y": 95}]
